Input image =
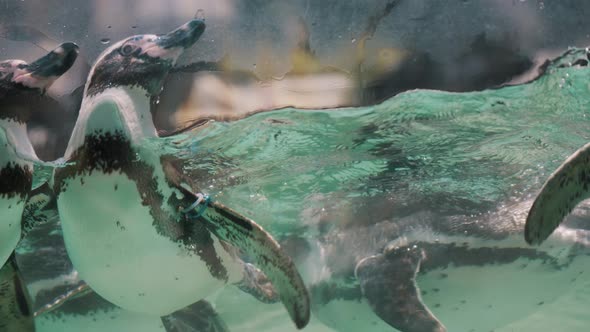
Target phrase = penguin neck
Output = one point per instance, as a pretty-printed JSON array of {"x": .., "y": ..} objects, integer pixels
[
  {"x": 14, "y": 140},
  {"x": 122, "y": 109},
  {"x": 133, "y": 103}
]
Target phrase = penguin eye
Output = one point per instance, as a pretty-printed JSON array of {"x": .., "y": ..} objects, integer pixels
[{"x": 127, "y": 49}]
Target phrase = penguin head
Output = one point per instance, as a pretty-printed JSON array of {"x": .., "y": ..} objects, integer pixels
[
  {"x": 40, "y": 74},
  {"x": 143, "y": 60},
  {"x": 22, "y": 84}
]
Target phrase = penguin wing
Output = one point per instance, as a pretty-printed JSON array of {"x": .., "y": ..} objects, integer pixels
[
  {"x": 565, "y": 188},
  {"x": 266, "y": 253},
  {"x": 197, "y": 317},
  {"x": 388, "y": 282},
  {"x": 244, "y": 234}
]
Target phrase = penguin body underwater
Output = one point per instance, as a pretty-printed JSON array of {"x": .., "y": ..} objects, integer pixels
[
  {"x": 22, "y": 88},
  {"x": 139, "y": 233}
]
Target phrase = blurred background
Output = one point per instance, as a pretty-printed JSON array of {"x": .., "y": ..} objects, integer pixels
[{"x": 259, "y": 54}]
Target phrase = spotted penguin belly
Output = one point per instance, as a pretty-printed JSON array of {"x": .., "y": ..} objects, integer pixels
[{"x": 112, "y": 242}]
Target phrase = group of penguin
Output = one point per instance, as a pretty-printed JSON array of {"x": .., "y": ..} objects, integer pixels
[
  {"x": 128, "y": 213},
  {"x": 139, "y": 232}
]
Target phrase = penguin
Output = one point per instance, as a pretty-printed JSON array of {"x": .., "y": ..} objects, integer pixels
[
  {"x": 22, "y": 89},
  {"x": 136, "y": 229},
  {"x": 416, "y": 273}
]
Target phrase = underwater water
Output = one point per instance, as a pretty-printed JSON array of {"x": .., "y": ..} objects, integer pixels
[{"x": 329, "y": 184}]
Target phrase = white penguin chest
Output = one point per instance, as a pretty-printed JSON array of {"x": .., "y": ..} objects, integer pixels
[
  {"x": 113, "y": 243},
  {"x": 15, "y": 181}
]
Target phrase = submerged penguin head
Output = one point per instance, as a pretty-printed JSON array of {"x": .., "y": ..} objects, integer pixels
[
  {"x": 143, "y": 60},
  {"x": 39, "y": 74}
]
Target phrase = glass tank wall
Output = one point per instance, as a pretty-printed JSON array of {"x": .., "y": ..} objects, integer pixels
[{"x": 393, "y": 149}]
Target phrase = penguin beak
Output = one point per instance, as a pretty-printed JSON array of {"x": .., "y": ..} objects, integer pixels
[
  {"x": 184, "y": 36},
  {"x": 56, "y": 62}
]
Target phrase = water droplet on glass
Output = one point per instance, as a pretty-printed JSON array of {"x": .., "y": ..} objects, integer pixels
[
  {"x": 200, "y": 14},
  {"x": 353, "y": 40},
  {"x": 254, "y": 65},
  {"x": 105, "y": 41},
  {"x": 541, "y": 5},
  {"x": 108, "y": 26},
  {"x": 157, "y": 100},
  {"x": 134, "y": 27}
]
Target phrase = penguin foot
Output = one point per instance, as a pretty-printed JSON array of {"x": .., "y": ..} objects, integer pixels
[{"x": 257, "y": 284}]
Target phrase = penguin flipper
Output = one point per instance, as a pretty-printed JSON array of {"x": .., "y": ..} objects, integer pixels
[
  {"x": 40, "y": 207},
  {"x": 388, "y": 282},
  {"x": 565, "y": 188},
  {"x": 197, "y": 317},
  {"x": 265, "y": 252},
  {"x": 15, "y": 303}
]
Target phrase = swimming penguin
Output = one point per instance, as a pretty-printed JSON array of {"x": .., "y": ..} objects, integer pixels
[
  {"x": 415, "y": 273},
  {"x": 22, "y": 86},
  {"x": 139, "y": 233}
]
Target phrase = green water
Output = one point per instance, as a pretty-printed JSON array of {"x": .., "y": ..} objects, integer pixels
[
  {"x": 463, "y": 152},
  {"x": 453, "y": 153}
]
